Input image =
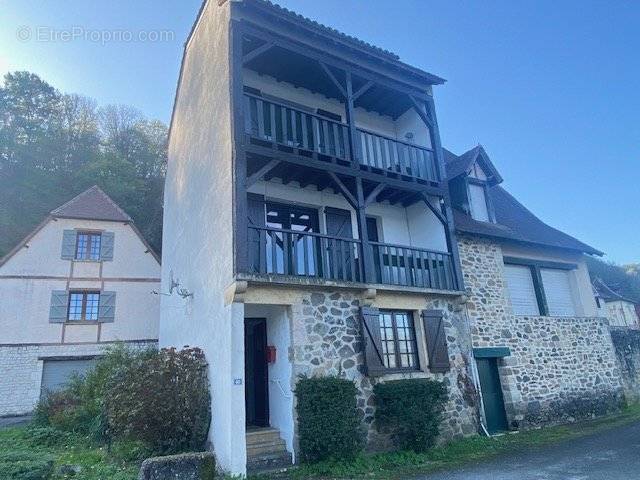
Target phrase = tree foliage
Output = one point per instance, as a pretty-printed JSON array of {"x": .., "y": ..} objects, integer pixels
[
  {"x": 53, "y": 146},
  {"x": 623, "y": 279}
]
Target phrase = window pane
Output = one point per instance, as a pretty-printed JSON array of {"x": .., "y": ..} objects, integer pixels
[
  {"x": 94, "y": 250},
  {"x": 521, "y": 290},
  {"x": 478, "y": 203},
  {"x": 91, "y": 312},
  {"x": 82, "y": 245},
  {"x": 398, "y": 340},
  {"x": 558, "y": 291},
  {"x": 75, "y": 306}
]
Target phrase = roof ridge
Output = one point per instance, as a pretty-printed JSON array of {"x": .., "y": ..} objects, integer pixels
[{"x": 60, "y": 211}]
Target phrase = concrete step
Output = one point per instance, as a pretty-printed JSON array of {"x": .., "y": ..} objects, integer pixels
[
  {"x": 262, "y": 435},
  {"x": 268, "y": 463},
  {"x": 262, "y": 448}
]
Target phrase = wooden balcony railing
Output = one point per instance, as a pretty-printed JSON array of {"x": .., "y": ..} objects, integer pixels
[
  {"x": 413, "y": 267},
  {"x": 290, "y": 252},
  {"x": 284, "y": 125},
  {"x": 386, "y": 153},
  {"x": 278, "y": 123}
]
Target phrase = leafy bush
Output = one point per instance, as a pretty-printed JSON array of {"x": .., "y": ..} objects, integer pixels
[
  {"x": 411, "y": 410},
  {"x": 328, "y": 422},
  {"x": 80, "y": 406},
  {"x": 162, "y": 400}
]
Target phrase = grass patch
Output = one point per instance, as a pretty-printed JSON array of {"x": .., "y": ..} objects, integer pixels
[
  {"x": 28, "y": 456},
  {"x": 400, "y": 464}
]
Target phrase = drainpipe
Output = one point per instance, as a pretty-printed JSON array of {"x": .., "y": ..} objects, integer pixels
[{"x": 475, "y": 378}]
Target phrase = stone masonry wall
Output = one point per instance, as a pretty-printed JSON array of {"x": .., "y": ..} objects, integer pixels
[
  {"x": 327, "y": 341},
  {"x": 627, "y": 345},
  {"x": 560, "y": 368},
  {"x": 21, "y": 371}
]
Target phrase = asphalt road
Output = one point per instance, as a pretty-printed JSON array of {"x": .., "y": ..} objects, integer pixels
[{"x": 608, "y": 455}]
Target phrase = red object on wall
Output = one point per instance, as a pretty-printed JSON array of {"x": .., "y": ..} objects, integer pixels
[{"x": 271, "y": 354}]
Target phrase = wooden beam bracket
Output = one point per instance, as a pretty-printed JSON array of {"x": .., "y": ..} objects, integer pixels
[
  {"x": 344, "y": 190},
  {"x": 374, "y": 194},
  {"x": 256, "y": 52},
  {"x": 261, "y": 172},
  {"x": 333, "y": 79}
]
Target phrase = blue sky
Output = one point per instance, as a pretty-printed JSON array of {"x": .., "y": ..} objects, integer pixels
[{"x": 551, "y": 89}]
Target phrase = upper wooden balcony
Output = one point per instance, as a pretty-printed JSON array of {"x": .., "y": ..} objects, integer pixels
[{"x": 310, "y": 134}]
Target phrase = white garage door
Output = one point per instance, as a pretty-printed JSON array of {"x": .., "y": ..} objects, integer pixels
[{"x": 57, "y": 373}]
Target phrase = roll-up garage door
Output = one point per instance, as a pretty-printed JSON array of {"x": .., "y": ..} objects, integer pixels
[{"x": 57, "y": 373}]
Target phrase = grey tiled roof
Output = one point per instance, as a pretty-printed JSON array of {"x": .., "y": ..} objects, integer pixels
[
  {"x": 92, "y": 204},
  {"x": 513, "y": 220},
  {"x": 349, "y": 39},
  {"x": 607, "y": 293}
]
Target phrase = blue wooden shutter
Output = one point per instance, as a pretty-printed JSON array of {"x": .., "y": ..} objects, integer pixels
[
  {"x": 68, "y": 245},
  {"x": 59, "y": 305},
  {"x": 106, "y": 246},
  {"x": 107, "y": 307}
]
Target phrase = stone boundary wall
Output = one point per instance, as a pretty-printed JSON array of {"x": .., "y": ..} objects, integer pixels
[
  {"x": 21, "y": 371},
  {"x": 327, "y": 340},
  {"x": 560, "y": 368},
  {"x": 627, "y": 346}
]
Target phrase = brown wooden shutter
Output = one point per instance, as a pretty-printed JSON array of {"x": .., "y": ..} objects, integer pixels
[
  {"x": 437, "y": 348},
  {"x": 371, "y": 338}
]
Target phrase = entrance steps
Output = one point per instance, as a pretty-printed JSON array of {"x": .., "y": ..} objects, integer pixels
[{"x": 266, "y": 450}]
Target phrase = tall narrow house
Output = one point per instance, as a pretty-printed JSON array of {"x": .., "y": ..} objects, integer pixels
[{"x": 307, "y": 224}]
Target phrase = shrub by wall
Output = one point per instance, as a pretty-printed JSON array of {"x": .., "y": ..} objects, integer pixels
[
  {"x": 163, "y": 401},
  {"x": 328, "y": 422},
  {"x": 411, "y": 411}
]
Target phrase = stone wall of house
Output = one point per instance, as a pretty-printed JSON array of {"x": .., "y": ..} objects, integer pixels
[
  {"x": 627, "y": 346},
  {"x": 560, "y": 368},
  {"x": 327, "y": 340},
  {"x": 21, "y": 370}
]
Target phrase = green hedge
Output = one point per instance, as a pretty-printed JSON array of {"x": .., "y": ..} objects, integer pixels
[
  {"x": 411, "y": 410},
  {"x": 328, "y": 421}
]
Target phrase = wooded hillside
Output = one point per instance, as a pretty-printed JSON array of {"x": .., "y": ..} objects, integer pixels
[{"x": 55, "y": 145}]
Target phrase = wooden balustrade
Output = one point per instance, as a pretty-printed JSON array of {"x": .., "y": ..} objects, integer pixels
[
  {"x": 413, "y": 267},
  {"x": 290, "y": 252}
]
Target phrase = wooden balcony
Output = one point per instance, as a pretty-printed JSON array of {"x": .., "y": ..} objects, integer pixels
[
  {"x": 308, "y": 133},
  {"x": 413, "y": 267},
  {"x": 305, "y": 254}
]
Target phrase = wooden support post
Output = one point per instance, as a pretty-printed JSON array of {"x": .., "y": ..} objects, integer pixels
[
  {"x": 351, "y": 120},
  {"x": 239, "y": 158},
  {"x": 367, "y": 251},
  {"x": 452, "y": 243}
]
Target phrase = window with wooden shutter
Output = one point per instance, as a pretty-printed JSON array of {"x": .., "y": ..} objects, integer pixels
[
  {"x": 370, "y": 323},
  {"x": 437, "y": 348},
  {"x": 521, "y": 289},
  {"x": 59, "y": 305},
  {"x": 107, "y": 246},
  {"x": 68, "y": 251},
  {"x": 107, "y": 307}
]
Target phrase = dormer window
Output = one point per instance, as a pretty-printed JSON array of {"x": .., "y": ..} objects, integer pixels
[
  {"x": 88, "y": 246},
  {"x": 478, "y": 206}
]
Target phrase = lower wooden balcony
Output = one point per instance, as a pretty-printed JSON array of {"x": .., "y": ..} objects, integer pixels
[{"x": 292, "y": 253}]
